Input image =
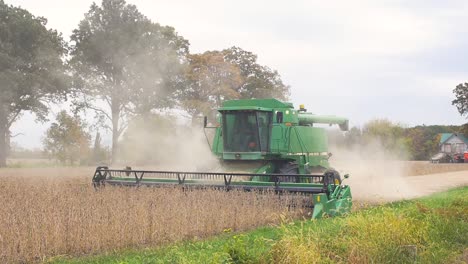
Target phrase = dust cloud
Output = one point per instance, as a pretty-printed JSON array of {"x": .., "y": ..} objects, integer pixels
[
  {"x": 376, "y": 174},
  {"x": 162, "y": 145}
]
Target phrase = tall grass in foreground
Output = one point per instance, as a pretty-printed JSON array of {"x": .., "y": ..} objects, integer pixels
[
  {"x": 45, "y": 217},
  {"x": 433, "y": 230}
]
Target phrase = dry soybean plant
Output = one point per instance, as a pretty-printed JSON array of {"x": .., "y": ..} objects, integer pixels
[{"x": 49, "y": 216}]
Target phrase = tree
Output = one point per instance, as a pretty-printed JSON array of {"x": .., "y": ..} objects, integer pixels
[
  {"x": 422, "y": 141},
  {"x": 210, "y": 81},
  {"x": 233, "y": 73},
  {"x": 67, "y": 139},
  {"x": 32, "y": 72},
  {"x": 461, "y": 98},
  {"x": 415, "y": 143},
  {"x": 388, "y": 135},
  {"x": 258, "y": 81},
  {"x": 124, "y": 64},
  {"x": 100, "y": 153},
  {"x": 464, "y": 130}
]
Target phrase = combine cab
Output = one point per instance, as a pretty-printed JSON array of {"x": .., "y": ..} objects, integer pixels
[{"x": 279, "y": 146}]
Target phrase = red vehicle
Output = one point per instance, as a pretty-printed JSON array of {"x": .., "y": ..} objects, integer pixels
[{"x": 459, "y": 157}]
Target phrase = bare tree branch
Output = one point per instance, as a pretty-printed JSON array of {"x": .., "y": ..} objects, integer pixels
[{"x": 99, "y": 110}]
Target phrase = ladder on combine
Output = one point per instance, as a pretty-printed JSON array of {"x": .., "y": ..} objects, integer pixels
[{"x": 329, "y": 198}]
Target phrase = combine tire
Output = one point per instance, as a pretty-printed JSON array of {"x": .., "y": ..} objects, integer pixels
[
  {"x": 289, "y": 168},
  {"x": 333, "y": 176}
]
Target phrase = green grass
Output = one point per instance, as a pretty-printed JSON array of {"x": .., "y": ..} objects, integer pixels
[{"x": 428, "y": 230}]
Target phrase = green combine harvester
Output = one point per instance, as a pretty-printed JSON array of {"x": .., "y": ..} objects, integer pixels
[{"x": 274, "y": 146}]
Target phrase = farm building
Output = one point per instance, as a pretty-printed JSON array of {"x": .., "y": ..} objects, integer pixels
[{"x": 453, "y": 143}]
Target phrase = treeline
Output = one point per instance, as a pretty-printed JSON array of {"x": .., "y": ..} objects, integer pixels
[
  {"x": 397, "y": 140},
  {"x": 119, "y": 65}
]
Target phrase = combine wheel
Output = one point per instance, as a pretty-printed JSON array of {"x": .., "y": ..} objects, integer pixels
[
  {"x": 333, "y": 176},
  {"x": 289, "y": 168}
]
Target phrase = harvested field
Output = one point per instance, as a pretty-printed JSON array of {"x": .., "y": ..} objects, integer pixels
[
  {"x": 389, "y": 180},
  {"x": 42, "y": 217},
  {"x": 415, "y": 168}
]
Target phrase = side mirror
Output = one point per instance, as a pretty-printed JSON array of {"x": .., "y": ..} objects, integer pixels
[
  {"x": 205, "y": 121},
  {"x": 344, "y": 126}
]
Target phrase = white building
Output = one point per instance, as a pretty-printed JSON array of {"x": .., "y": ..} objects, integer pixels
[{"x": 453, "y": 143}]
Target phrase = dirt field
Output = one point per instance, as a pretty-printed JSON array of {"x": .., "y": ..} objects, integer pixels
[
  {"x": 438, "y": 182},
  {"x": 381, "y": 180},
  {"x": 415, "y": 168}
]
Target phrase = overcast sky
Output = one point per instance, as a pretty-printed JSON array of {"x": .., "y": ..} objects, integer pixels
[{"x": 360, "y": 59}]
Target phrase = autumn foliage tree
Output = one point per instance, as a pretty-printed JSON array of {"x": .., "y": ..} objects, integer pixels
[
  {"x": 258, "y": 81},
  {"x": 215, "y": 76},
  {"x": 210, "y": 80}
]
